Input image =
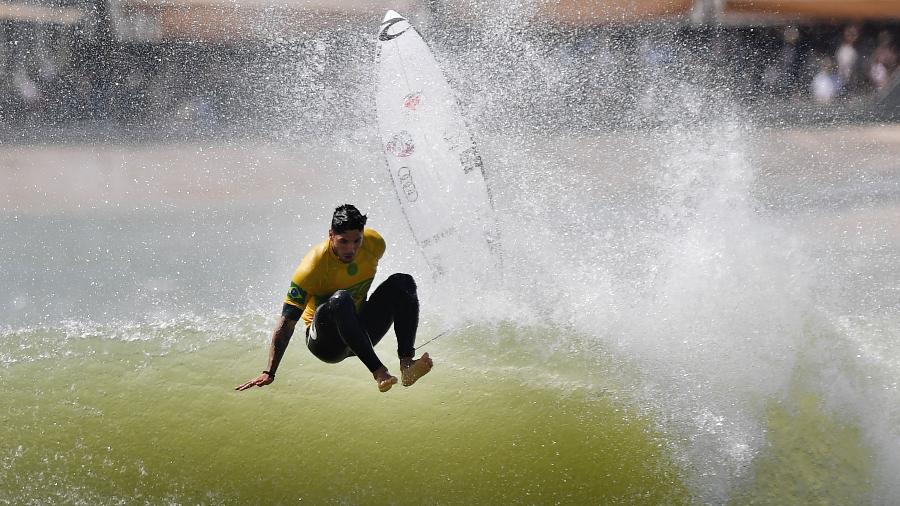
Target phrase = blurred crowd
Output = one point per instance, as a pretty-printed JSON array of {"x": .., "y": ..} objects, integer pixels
[
  {"x": 848, "y": 62},
  {"x": 819, "y": 63},
  {"x": 70, "y": 80},
  {"x": 56, "y": 75},
  {"x": 59, "y": 74}
]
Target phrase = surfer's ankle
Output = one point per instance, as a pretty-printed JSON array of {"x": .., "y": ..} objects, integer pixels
[
  {"x": 416, "y": 369},
  {"x": 384, "y": 379}
]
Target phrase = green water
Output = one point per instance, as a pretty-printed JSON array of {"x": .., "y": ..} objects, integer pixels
[
  {"x": 812, "y": 458},
  {"x": 104, "y": 421},
  {"x": 93, "y": 418}
]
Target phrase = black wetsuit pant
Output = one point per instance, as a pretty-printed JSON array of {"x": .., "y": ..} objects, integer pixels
[{"x": 338, "y": 331}]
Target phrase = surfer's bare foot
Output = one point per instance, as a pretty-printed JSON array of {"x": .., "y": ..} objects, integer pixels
[
  {"x": 411, "y": 370},
  {"x": 384, "y": 379}
]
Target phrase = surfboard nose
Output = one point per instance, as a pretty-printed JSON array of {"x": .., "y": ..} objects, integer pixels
[{"x": 391, "y": 15}]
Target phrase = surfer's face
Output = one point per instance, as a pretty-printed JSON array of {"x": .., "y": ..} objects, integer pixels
[{"x": 345, "y": 244}]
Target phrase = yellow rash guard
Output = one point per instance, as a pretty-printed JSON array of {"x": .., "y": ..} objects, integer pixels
[{"x": 321, "y": 273}]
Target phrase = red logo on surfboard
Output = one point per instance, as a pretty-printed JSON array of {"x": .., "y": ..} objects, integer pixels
[
  {"x": 401, "y": 145},
  {"x": 412, "y": 101}
]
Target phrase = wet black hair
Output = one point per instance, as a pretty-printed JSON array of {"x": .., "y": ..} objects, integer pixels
[{"x": 347, "y": 217}]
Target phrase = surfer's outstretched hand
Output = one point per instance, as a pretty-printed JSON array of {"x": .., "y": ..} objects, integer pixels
[{"x": 260, "y": 381}]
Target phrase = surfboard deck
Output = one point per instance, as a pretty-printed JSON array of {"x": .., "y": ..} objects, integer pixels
[{"x": 434, "y": 164}]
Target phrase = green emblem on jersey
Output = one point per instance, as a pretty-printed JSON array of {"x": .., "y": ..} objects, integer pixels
[
  {"x": 297, "y": 295},
  {"x": 359, "y": 290},
  {"x": 352, "y": 269}
]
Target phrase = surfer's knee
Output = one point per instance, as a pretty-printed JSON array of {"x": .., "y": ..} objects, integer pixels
[
  {"x": 404, "y": 282},
  {"x": 342, "y": 300}
]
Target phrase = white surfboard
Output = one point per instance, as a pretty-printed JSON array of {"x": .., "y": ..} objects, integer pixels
[{"x": 433, "y": 160}]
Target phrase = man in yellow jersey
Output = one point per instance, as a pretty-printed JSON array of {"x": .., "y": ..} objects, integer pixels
[{"x": 328, "y": 291}]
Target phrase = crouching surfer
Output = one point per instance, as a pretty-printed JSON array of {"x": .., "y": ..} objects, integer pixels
[{"x": 328, "y": 291}]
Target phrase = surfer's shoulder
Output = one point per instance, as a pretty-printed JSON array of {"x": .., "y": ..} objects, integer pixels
[
  {"x": 373, "y": 241},
  {"x": 372, "y": 234},
  {"x": 313, "y": 258}
]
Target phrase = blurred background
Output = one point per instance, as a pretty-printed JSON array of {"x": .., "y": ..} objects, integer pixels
[{"x": 163, "y": 69}]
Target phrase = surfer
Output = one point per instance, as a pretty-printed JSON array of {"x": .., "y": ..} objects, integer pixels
[{"x": 328, "y": 291}]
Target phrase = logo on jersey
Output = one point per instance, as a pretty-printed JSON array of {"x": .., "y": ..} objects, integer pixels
[
  {"x": 352, "y": 268},
  {"x": 401, "y": 145},
  {"x": 358, "y": 293},
  {"x": 297, "y": 295},
  {"x": 360, "y": 290}
]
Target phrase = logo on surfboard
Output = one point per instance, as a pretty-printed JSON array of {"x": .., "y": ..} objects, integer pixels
[
  {"x": 412, "y": 101},
  {"x": 471, "y": 160},
  {"x": 401, "y": 145},
  {"x": 384, "y": 36},
  {"x": 404, "y": 176}
]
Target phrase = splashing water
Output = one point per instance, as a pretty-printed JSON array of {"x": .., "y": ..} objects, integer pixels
[{"x": 692, "y": 306}]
